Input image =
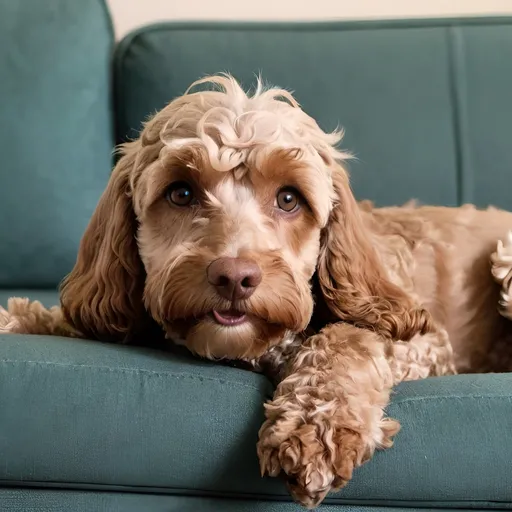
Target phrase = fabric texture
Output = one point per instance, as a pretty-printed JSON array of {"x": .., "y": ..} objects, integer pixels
[
  {"x": 420, "y": 111},
  {"x": 17, "y": 500},
  {"x": 56, "y": 134},
  {"x": 83, "y": 413}
]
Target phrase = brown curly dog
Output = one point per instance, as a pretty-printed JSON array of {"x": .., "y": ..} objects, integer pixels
[{"x": 230, "y": 225}]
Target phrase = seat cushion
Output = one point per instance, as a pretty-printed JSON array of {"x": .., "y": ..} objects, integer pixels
[
  {"x": 86, "y": 413},
  {"x": 56, "y": 134},
  {"x": 50, "y": 500},
  {"x": 80, "y": 414}
]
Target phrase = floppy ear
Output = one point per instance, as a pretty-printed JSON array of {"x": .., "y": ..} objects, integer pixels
[
  {"x": 352, "y": 279},
  {"x": 102, "y": 296}
]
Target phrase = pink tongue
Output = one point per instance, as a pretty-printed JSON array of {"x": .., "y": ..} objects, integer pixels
[{"x": 228, "y": 317}]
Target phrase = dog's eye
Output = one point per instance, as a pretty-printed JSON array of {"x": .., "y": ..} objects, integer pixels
[
  {"x": 288, "y": 199},
  {"x": 180, "y": 193}
]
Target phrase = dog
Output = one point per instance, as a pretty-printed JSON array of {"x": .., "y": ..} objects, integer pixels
[{"x": 229, "y": 226}]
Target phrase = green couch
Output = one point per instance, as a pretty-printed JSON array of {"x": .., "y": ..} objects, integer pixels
[{"x": 86, "y": 426}]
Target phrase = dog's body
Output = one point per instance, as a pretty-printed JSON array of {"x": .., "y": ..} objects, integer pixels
[
  {"x": 230, "y": 227},
  {"x": 446, "y": 259}
]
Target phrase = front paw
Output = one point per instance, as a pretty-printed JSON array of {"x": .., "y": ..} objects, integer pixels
[{"x": 318, "y": 457}]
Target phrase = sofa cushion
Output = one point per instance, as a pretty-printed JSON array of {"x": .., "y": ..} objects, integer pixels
[
  {"x": 23, "y": 500},
  {"x": 426, "y": 104},
  {"x": 82, "y": 414},
  {"x": 55, "y": 133}
]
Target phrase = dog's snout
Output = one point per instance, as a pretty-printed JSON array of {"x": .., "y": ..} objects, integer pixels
[{"x": 234, "y": 278}]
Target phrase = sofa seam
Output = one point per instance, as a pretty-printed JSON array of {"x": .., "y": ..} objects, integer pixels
[
  {"x": 213, "y": 493},
  {"x": 133, "y": 370},
  {"x": 459, "y": 110},
  {"x": 225, "y": 381},
  {"x": 447, "y": 397}
]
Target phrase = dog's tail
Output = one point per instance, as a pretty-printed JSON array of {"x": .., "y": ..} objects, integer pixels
[{"x": 501, "y": 269}]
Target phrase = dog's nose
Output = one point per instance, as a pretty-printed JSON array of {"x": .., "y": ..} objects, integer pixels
[{"x": 234, "y": 278}]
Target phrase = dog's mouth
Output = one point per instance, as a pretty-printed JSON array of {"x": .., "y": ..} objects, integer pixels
[{"x": 230, "y": 317}]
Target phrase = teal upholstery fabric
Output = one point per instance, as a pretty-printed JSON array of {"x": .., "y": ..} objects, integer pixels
[
  {"x": 55, "y": 133},
  {"x": 17, "y": 500},
  {"x": 421, "y": 111},
  {"x": 116, "y": 416},
  {"x": 484, "y": 56},
  {"x": 120, "y": 418}
]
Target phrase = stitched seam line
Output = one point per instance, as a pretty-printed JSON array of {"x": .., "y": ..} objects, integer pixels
[
  {"x": 448, "y": 397},
  {"x": 224, "y": 381},
  {"x": 134, "y": 370},
  {"x": 192, "y": 492},
  {"x": 458, "y": 99}
]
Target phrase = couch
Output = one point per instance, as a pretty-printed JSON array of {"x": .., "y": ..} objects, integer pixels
[{"x": 87, "y": 426}]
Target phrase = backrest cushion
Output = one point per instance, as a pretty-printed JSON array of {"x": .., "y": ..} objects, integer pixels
[
  {"x": 427, "y": 105},
  {"x": 56, "y": 134}
]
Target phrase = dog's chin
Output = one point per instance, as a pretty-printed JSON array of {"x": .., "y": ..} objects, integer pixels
[{"x": 243, "y": 339}]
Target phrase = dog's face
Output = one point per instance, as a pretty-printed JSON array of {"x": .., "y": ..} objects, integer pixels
[
  {"x": 229, "y": 221},
  {"x": 229, "y": 254},
  {"x": 213, "y": 224}
]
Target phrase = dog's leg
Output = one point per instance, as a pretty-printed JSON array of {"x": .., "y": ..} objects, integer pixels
[
  {"x": 501, "y": 261},
  {"x": 424, "y": 356},
  {"x": 327, "y": 416},
  {"x": 23, "y": 316}
]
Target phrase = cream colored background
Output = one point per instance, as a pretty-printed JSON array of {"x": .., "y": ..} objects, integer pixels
[{"x": 129, "y": 14}]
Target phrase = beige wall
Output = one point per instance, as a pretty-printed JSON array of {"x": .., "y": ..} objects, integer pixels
[{"x": 129, "y": 14}]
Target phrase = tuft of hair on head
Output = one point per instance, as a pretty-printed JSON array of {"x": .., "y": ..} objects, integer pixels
[
  {"x": 233, "y": 125},
  {"x": 227, "y": 84}
]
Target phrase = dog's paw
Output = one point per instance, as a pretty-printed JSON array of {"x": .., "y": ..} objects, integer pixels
[
  {"x": 501, "y": 269},
  {"x": 317, "y": 458}
]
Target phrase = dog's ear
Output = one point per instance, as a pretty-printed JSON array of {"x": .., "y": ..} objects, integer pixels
[
  {"x": 353, "y": 280},
  {"x": 102, "y": 296}
]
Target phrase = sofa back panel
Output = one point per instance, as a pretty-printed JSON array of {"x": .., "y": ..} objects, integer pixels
[
  {"x": 56, "y": 133},
  {"x": 485, "y": 57},
  {"x": 403, "y": 91}
]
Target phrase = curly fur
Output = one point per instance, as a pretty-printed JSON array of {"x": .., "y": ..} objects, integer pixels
[{"x": 353, "y": 299}]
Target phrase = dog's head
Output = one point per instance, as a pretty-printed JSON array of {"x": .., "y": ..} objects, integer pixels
[{"x": 213, "y": 224}]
